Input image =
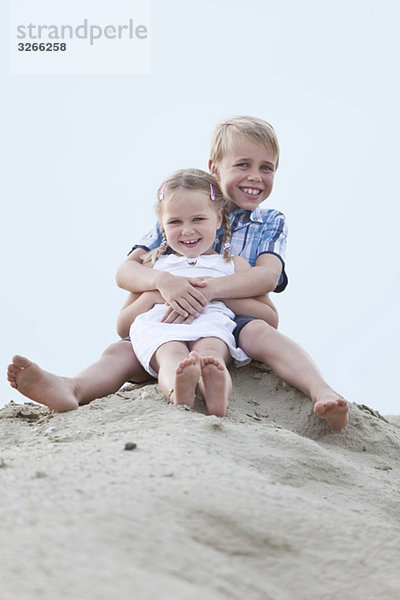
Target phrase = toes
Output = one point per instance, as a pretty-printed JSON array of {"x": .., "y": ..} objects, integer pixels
[
  {"x": 20, "y": 361},
  {"x": 182, "y": 365},
  {"x": 209, "y": 361},
  {"x": 190, "y": 361},
  {"x": 11, "y": 371},
  {"x": 11, "y": 378}
]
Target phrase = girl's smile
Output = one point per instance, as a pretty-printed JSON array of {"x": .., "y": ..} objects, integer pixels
[{"x": 190, "y": 222}]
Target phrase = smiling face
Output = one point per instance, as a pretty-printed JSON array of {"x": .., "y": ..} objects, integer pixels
[
  {"x": 190, "y": 222},
  {"x": 245, "y": 174}
]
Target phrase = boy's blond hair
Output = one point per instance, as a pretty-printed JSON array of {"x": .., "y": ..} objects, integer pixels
[{"x": 246, "y": 129}]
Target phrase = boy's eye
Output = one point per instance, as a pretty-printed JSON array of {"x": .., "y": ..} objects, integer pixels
[
  {"x": 197, "y": 219},
  {"x": 243, "y": 164},
  {"x": 267, "y": 168}
]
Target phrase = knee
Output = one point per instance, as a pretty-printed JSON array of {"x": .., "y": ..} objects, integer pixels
[
  {"x": 273, "y": 319},
  {"x": 118, "y": 349},
  {"x": 122, "y": 330},
  {"x": 121, "y": 355},
  {"x": 254, "y": 336},
  {"x": 257, "y": 328}
]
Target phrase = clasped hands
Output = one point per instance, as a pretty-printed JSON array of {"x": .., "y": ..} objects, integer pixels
[{"x": 186, "y": 298}]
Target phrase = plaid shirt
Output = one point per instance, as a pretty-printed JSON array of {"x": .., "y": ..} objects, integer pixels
[{"x": 256, "y": 232}]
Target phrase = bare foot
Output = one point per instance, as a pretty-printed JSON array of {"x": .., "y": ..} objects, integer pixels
[
  {"x": 187, "y": 376},
  {"x": 334, "y": 410},
  {"x": 58, "y": 393},
  {"x": 216, "y": 385}
]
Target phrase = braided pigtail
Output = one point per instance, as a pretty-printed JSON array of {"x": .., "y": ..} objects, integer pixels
[
  {"x": 227, "y": 234},
  {"x": 153, "y": 255}
]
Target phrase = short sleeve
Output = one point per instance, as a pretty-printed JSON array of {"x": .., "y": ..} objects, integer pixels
[
  {"x": 274, "y": 241},
  {"x": 151, "y": 240},
  {"x": 274, "y": 238}
]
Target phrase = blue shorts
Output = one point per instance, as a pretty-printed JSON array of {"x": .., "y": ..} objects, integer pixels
[{"x": 241, "y": 321}]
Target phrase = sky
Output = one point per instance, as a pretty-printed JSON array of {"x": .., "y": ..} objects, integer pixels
[{"x": 82, "y": 156}]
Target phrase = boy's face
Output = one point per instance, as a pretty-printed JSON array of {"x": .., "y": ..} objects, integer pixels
[{"x": 245, "y": 174}]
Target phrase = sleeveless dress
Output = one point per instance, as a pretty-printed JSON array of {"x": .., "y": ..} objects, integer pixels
[{"x": 148, "y": 333}]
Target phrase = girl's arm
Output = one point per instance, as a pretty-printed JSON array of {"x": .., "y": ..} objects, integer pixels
[{"x": 135, "y": 305}]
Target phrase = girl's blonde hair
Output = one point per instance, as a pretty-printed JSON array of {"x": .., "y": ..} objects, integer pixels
[{"x": 191, "y": 180}]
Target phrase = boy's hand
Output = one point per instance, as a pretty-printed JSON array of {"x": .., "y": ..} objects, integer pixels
[{"x": 182, "y": 294}]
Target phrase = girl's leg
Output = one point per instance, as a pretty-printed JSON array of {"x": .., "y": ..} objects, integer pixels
[
  {"x": 215, "y": 384},
  {"x": 178, "y": 372},
  {"x": 117, "y": 365},
  {"x": 265, "y": 344}
]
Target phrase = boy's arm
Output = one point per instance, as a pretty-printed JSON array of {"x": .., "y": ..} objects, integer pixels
[
  {"x": 247, "y": 283},
  {"x": 181, "y": 293}
]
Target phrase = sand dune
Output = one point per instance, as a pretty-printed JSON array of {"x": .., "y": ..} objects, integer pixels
[{"x": 267, "y": 503}]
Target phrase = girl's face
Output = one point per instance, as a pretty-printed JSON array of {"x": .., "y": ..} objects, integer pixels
[{"x": 190, "y": 222}]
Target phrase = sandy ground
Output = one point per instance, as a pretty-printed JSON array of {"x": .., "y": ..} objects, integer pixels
[{"x": 267, "y": 503}]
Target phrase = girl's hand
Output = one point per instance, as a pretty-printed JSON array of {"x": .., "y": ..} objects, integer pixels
[
  {"x": 182, "y": 294},
  {"x": 171, "y": 316}
]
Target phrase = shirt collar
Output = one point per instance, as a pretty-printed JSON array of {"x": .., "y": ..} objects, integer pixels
[{"x": 253, "y": 215}]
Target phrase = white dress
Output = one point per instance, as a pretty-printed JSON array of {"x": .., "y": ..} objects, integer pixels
[{"x": 148, "y": 333}]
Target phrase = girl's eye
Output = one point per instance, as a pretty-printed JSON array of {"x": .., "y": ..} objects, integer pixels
[
  {"x": 244, "y": 164},
  {"x": 197, "y": 219},
  {"x": 176, "y": 222}
]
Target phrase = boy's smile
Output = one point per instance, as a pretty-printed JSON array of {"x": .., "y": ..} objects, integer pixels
[{"x": 246, "y": 174}]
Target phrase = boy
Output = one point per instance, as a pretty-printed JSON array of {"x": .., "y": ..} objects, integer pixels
[{"x": 244, "y": 157}]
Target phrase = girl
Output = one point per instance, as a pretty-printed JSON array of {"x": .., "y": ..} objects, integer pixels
[{"x": 190, "y": 355}]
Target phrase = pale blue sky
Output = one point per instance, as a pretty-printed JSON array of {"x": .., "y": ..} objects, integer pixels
[{"x": 82, "y": 157}]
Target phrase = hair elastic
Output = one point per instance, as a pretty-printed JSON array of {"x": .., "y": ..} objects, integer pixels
[
  {"x": 162, "y": 191},
  {"x": 212, "y": 195}
]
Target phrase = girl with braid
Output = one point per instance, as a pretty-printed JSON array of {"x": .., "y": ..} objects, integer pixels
[{"x": 192, "y": 353}]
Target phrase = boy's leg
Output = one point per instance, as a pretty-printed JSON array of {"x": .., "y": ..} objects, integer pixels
[
  {"x": 117, "y": 365},
  {"x": 178, "y": 372},
  {"x": 215, "y": 384},
  {"x": 265, "y": 344}
]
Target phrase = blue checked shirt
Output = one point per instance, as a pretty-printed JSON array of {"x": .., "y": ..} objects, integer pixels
[{"x": 256, "y": 232}]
